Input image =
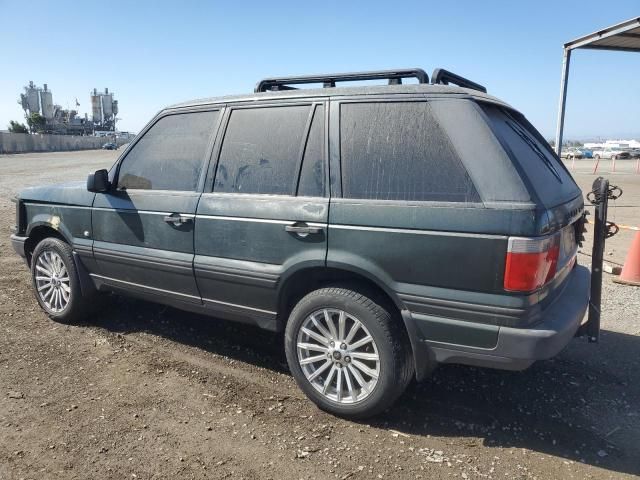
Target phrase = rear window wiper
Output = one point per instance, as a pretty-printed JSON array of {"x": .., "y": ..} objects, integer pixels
[{"x": 518, "y": 130}]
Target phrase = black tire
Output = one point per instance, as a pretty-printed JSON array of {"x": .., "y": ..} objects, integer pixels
[
  {"x": 387, "y": 330},
  {"x": 597, "y": 157},
  {"x": 76, "y": 305}
]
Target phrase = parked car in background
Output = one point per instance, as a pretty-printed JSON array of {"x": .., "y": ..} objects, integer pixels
[
  {"x": 426, "y": 234},
  {"x": 576, "y": 152},
  {"x": 586, "y": 153},
  {"x": 633, "y": 152},
  {"x": 110, "y": 146},
  {"x": 610, "y": 152},
  {"x": 571, "y": 152}
]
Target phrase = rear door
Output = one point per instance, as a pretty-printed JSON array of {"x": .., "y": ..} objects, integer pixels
[
  {"x": 265, "y": 215},
  {"x": 143, "y": 228},
  {"x": 404, "y": 211}
]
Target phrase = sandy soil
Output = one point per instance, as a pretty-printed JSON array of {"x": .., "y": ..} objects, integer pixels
[{"x": 143, "y": 391}]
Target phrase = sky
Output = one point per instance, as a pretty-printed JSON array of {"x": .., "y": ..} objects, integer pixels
[{"x": 153, "y": 54}]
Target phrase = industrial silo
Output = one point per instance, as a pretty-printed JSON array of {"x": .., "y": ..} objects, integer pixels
[
  {"x": 33, "y": 100},
  {"x": 46, "y": 101},
  {"x": 96, "y": 110},
  {"x": 115, "y": 107},
  {"x": 107, "y": 104}
]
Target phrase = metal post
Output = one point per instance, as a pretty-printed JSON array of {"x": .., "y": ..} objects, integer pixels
[
  {"x": 566, "y": 60},
  {"x": 601, "y": 195}
]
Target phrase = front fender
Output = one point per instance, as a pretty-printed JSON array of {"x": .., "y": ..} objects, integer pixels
[{"x": 49, "y": 221}]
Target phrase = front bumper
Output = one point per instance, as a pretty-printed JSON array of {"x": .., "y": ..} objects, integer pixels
[
  {"x": 18, "y": 244},
  {"x": 515, "y": 348}
]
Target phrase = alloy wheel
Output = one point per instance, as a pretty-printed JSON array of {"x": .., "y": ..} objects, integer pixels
[
  {"x": 338, "y": 356},
  {"x": 52, "y": 281}
]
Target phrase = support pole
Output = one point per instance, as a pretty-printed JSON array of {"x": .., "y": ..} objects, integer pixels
[{"x": 566, "y": 60}]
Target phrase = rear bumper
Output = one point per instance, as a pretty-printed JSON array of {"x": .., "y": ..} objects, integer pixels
[
  {"x": 18, "y": 242},
  {"x": 514, "y": 348}
]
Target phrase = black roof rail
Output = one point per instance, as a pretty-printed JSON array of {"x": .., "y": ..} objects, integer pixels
[
  {"x": 445, "y": 77},
  {"x": 329, "y": 80}
]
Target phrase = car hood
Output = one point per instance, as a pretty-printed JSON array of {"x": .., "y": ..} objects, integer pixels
[{"x": 71, "y": 193}]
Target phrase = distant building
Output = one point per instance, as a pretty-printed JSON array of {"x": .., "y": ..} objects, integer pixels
[
  {"x": 614, "y": 144},
  {"x": 61, "y": 121}
]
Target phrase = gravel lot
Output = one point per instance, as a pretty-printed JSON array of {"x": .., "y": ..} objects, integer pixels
[
  {"x": 625, "y": 210},
  {"x": 143, "y": 391}
]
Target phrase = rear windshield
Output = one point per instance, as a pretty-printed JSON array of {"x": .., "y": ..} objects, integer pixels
[{"x": 533, "y": 156}]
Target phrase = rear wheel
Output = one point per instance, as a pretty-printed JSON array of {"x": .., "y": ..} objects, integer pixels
[
  {"x": 597, "y": 157},
  {"x": 55, "y": 280},
  {"x": 347, "y": 352}
]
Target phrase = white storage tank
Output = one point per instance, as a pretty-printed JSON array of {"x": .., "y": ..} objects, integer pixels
[
  {"x": 33, "y": 98},
  {"x": 46, "y": 101},
  {"x": 96, "y": 109},
  {"x": 107, "y": 104}
]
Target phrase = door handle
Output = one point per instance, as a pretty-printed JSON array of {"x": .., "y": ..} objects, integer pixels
[
  {"x": 302, "y": 229},
  {"x": 176, "y": 219}
]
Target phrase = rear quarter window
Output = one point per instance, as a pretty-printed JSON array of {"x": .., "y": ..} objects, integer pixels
[
  {"x": 398, "y": 151},
  {"x": 533, "y": 156}
]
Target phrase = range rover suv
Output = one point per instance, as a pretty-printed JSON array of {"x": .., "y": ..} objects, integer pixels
[{"x": 385, "y": 229}]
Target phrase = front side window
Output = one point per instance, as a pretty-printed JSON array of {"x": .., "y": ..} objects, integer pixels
[
  {"x": 398, "y": 151},
  {"x": 261, "y": 150},
  {"x": 170, "y": 155}
]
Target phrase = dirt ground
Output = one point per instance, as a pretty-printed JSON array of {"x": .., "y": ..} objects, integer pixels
[{"x": 141, "y": 391}]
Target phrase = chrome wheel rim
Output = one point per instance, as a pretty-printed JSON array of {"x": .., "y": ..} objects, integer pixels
[
  {"x": 52, "y": 281},
  {"x": 338, "y": 356}
]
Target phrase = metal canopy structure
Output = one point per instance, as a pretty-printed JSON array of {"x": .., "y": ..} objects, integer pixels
[{"x": 622, "y": 37}]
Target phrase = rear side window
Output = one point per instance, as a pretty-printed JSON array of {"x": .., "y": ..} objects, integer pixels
[
  {"x": 397, "y": 151},
  {"x": 547, "y": 175},
  {"x": 170, "y": 155},
  {"x": 261, "y": 150}
]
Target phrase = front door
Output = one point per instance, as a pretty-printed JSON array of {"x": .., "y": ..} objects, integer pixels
[
  {"x": 143, "y": 228},
  {"x": 265, "y": 215}
]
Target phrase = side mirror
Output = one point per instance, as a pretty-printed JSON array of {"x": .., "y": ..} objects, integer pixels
[{"x": 98, "y": 182}]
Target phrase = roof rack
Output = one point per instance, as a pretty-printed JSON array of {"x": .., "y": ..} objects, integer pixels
[
  {"x": 329, "y": 80},
  {"x": 445, "y": 77}
]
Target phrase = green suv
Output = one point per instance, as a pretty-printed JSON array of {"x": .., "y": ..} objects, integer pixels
[{"x": 384, "y": 228}]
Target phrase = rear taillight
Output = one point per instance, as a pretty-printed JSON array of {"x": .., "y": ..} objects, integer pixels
[{"x": 531, "y": 262}]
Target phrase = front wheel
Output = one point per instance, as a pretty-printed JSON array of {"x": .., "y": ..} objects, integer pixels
[
  {"x": 347, "y": 352},
  {"x": 55, "y": 281}
]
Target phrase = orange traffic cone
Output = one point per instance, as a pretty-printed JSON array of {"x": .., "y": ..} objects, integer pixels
[{"x": 630, "y": 274}]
